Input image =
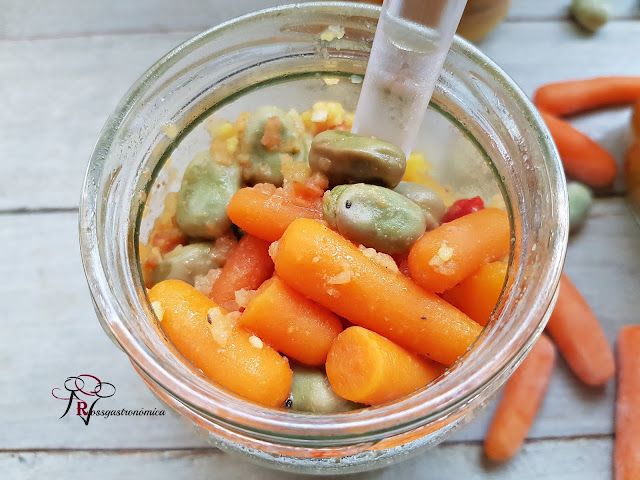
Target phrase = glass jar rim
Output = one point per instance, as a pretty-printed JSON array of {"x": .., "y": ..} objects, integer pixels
[{"x": 367, "y": 424}]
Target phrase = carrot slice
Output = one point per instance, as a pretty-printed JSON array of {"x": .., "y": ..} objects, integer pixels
[
  {"x": 365, "y": 367},
  {"x": 579, "y": 336},
  {"x": 247, "y": 266},
  {"x": 478, "y": 294},
  {"x": 267, "y": 215},
  {"x": 522, "y": 397},
  {"x": 445, "y": 256},
  {"x": 327, "y": 268},
  {"x": 291, "y": 323},
  {"x": 574, "y": 96},
  {"x": 582, "y": 158},
  {"x": 627, "y": 442},
  {"x": 228, "y": 355}
]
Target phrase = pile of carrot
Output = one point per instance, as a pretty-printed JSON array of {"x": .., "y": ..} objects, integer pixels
[{"x": 582, "y": 158}]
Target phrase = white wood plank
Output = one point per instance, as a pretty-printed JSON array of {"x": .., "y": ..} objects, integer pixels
[
  {"x": 60, "y": 18},
  {"x": 584, "y": 459},
  {"x": 63, "y": 18},
  {"x": 60, "y": 92},
  {"x": 54, "y": 334},
  {"x": 555, "y": 9},
  {"x": 57, "y": 94},
  {"x": 50, "y": 332}
]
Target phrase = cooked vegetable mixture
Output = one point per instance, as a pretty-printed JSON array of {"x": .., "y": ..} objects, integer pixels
[{"x": 303, "y": 266}]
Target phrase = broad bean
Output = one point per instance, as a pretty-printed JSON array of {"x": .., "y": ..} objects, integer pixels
[
  {"x": 591, "y": 14},
  {"x": 374, "y": 216},
  {"x": 580, "y": 199},
  {"x": 429, "y": 201},
  {"x": 311, "y": 392},
  {"x": 270, "y": 133},
  {"x": 349, "y": 158},
  {"x": 185, "y": 262},
  {"x": 206, "y": 189}
]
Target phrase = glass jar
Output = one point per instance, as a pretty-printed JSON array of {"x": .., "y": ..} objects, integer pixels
[
  {"x": 480, "y": 17},
  {"x": 480, "y": 131}
]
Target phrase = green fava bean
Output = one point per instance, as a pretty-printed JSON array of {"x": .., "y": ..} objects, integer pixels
[
  {"x": 374, "y": 216},
  {"x": 345, "y": 158},
  {"x": 311, "y": 392},
  {"x": 580, "y": 199},
  {"x": 185, "y": 262},
  {"x": 591, "y": 14},
  {"x": 265, "y": 162},
  {"x": 429, "y": 201},
  {"x": 207, "y": 188}
]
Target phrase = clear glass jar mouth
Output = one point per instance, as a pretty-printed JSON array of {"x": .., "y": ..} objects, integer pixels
[{"x": 493, "y": 354}]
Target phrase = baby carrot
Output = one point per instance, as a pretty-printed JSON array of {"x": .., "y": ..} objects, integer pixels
[
  {"x": 579, "y": 337},
  {"x": 291, "y": 323},
  {"x": 627, "y": 442},
  {"x": 478, "y": 294},
  {"x": 582, "y": 158},
  {"x": 327, "y": 268},
  {"x": 247, "y": 266},
  {"x": 521, "y": 399},
  {"x": 574, "y": 96},
  {"x": 445, "y": 256},
  {"x": 205, "y": 334},
  {"x": 365, "y": 367},
  {"x": 266, "y": 215}
]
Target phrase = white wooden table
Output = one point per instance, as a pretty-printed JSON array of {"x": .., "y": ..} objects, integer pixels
[{"x": 64, "y": 64}]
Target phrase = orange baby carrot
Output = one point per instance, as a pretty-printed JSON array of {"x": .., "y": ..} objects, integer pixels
[
  {"x": 327, "y": 268},
  {"x": 579, "y": 337},
  {"x": 291, "y": 323},
  {"x": 574, "y": 96},
  {"x": 521, "y": 399},
  {"x": 582, "y": 158},
  {"x": 205, "y": 334},
  {"x": 627, "y": 442},
  {"x": 248, "y": 265},
  {"x": 365, "y": 367},
  {"x": 267, "y": 215},
  {"x": 445, "y": 256},
  {"x": 478, "y": 294}
]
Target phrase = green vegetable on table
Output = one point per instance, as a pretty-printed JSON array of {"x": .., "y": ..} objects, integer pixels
[
  {"x": 591, "y": 14},
  {"x": 580, "y": 200}
]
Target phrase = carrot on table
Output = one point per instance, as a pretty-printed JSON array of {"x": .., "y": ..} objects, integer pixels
[
  {"x": 579, "y": 336},
  {"x": 327, "y": 268},
  {"x": 627, "y": 441},
  {"x": 574, "y": 96},
  {"x": 207, "y": 335},
  {"x": 521, "y": 399},
  {"x": 247, "y": 267},
  {"x": 582, "y": 158},
  {"x": 291, "y": 323},
  {"x": 365, "y": 367},
  {"x": 267, "y": 215},
  {"x": 445, "y": 256},
  {"x": 478, "y": 294}
]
